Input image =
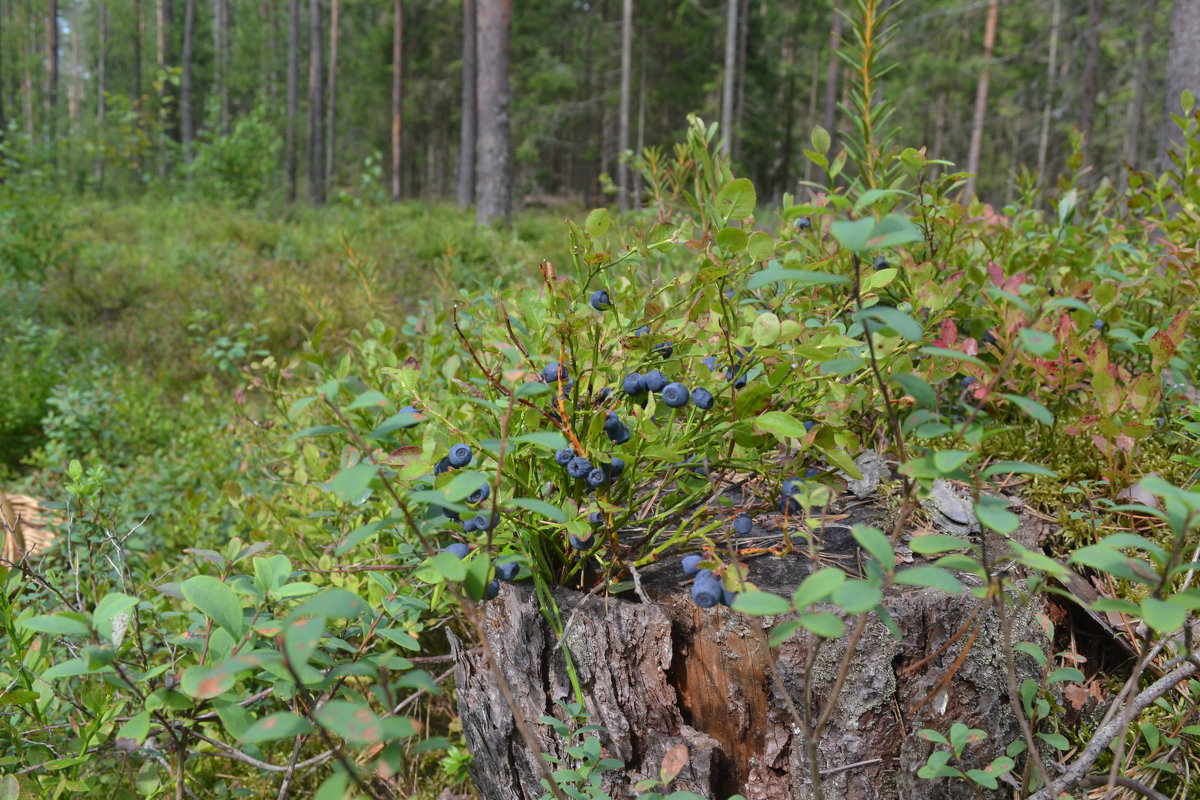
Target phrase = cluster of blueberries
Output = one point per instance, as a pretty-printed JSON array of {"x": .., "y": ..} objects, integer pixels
[
  {"x": 707, "y": 590},
  {"x": 788, "y": 504},
  {"x": 506, "y": 572},
  {"x": 674, "y": 394}
]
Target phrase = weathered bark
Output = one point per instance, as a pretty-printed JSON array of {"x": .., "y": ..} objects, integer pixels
[
  {"x": 293, "y": 99},
  {"x": 1090, "y": 80},
  {"x": 981, "y": 95},
  {"x": 664, "y": 673},
  {"x": 316, "y": 107},
  {"x": 185, "y": 82},
  {"x": 335, "y": 7},
  {"x": 493, "y": 166},
  {"x": 466, "y": 142},
  {"x": 1044, "y": 137},
  {"x": 623, "y": 120},
  {"x": 397, "y": 93},
  {"x": 729, "y": 79},
  {"x": 1183, "y": 68}
]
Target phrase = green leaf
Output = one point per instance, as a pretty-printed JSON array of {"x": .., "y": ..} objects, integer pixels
[
  {"x": 761, "y": 604},
  {"x": 1066, "y": 674},
  {"x": 930, "y": 543},
  {"x": 856, "y": 596},
  {"x": 333, "y": 787},
  {"x": 449, "y": 567},
  {"x": 352, "y": 483},
  {"x": 933, "y": 577},
  {"x": 930, "y": 350},
  {"x": 551, "y": 440},
  {"x": 765, "y": 330},
  {"x": 948, "y": 461},
  {"x": 817, "y": 586},
  {"x": 993, "y": 512},
  {"x": 820, "y": 140},
  {"x": 1038, "y": 343},
  {"x": 737, "y": 199},
  {"x": 853, "y": 234},
  {"x": 874, "y": 542},
  {"x": 107, "y": 609},
  {"x": 1163, "y": 617},
  {"x": 136, "y": 727},
  {"x": 67, "y": 623},
  {"x": 358, "y": 724},
  {"x": 301, "y": 637},
  {"x": 369, "y": 399},
  {"x": 824, "y": 624},
  {"x": 894, "y": 230},
  {"x": 1017, "y": 468},
  {"x": 782, "y": 632},
  {"x": 781, "y": 424},
  {"x": 216, "y": 601},
  {"x": 917, "y": 386},
  {"x": 1031, "y": 407},
  {"x": 68, "y": 669},
  {"x": 551, "y": 512},
  {"x": 333, "y": 603},
  {"x": 732, "y": 240},
  {"x": 798, "y": 277},
  {"x": 463, "y": 484},
  {"x": 895, "y": 319},
  {"x": 597, "y": 223},
  {"x": 1055, "y": 740},
  {"x": 280, "y": 725},
  {"x": 762, "y": 246}
]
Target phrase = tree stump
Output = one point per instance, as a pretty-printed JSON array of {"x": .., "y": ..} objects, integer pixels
[{"x": 666, "y": 672}]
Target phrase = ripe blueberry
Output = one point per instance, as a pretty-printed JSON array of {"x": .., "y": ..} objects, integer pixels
[
  {"x": 597, "y": 478},
  {"x": 789, "y": 506},
  {"x": 579, "y": 467},
  {"x": 615, "y": 467},
  {"x": 633, "y": 384},
  {"x": 564, "y": 456},
  {"x": 881, "y": 263},
  {"x": 460, "y": 455},
  {"x": 612, "y": 423},
  {"x": 1098, "y": 324},
  {"x": 675, "y": 395},
  {"x": 457, "y": 549},
  {"x": 710, "y": 362},
  {"x": 691, "y": 564},
  {"x": 792, "y": 486},
  {"x": 654, "y": 380},
  {"x": 508, "y": 570},
  {"x": 553, "y": 371},
  {"x": 803, "y": 224},
  {"x": 415, "y": 419},
  {"x": 990, "y": 338},
  {"x": 441, "y": 466},
  {"x": 621, "y": 435},
  {"x": 469, "y": 525},
  {"x": 664, "y": 349},
  {"x": 584, "y": 544},
  {"x": 479, "y": 495},
  {"x": 600, "y": 300},
  {"x": 967, "y": 381},
  {"x": 485, "y": 523},
  {"x": 493, "y": 589},
  {"x": 596, "y": 517},
  {"x": 702, "y": 398},
  {"x": 642, "y": 331},
  {"x": 727, "y": 597},
  {"x": 742, "y": 525},
  {"x": 706, "y": 591}
]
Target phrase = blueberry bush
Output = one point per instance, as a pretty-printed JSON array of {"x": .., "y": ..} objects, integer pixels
[{"x": 573, "y": 432}]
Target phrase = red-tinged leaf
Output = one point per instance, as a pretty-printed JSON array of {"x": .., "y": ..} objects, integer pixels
[
  {"x": 674, "y": 762},
  {"x": 995, "y": 273},
  {"x": 949, "y": 334}
]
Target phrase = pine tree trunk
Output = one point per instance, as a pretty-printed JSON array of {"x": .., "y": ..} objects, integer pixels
[
  {"x": 185, "y": 82},
  {"x": 665, "y": 673},
  {"x": 641, "y": 130},
  {"x": 493, "y": 168},
  {"x": 221, "y": 60},
  {"x": 1090, "y": 79},
  {"x": 331, "y": 119},
  {"x": 397, "y": 93},
  {"x": 829, "y": 118},
  {"x": 138, "y": 31},
  {"x": 467, "y": 132},
  {"x": 290, "y": 150},
  {"x": 623, "y": 121},
  {"x": 1131, "y": 147},
  {"x": 3, "y": 119},
  {"x": 739, "y": 99},
  {"x": 981, "y": 95},
  {"x": 1183, "y": 69},
  {"x": 1044, "y": 136},
  {"x": 101, "y": 86},
  {"x": 316, "y": 107},
  {"x": 51, "y": 66},
  {"x": 729, "y": 80}
]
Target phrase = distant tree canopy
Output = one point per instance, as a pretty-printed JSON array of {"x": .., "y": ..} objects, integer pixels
[{"x": 112, "y": 96}]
